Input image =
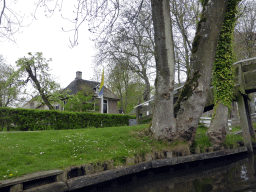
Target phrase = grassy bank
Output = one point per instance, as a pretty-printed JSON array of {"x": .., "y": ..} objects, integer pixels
[
  {"x": 203, "y": 141},
  {"x": 27, "y": 152}
]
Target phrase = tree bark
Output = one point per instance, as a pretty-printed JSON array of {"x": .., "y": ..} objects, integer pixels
[
  {"x": 146, "y": 93},
  {"x": 191, "y": 102},
  {"x": 163, "y": 122},
  {"x": 219, "y": 125}
]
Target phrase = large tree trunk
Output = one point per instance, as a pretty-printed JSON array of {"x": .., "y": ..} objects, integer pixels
[
  {"x": 219, "y": 125},
  {"x": 223, "y": 78},
  {"x": 191, "y": 102},
  {"x": 163, "y": 122}
]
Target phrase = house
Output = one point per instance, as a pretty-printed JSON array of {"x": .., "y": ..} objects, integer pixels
[
  {"x": 79, "y": 84},
  {"x": 147, "y": 107}
]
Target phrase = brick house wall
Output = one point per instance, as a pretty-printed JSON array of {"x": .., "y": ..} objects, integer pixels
[{"x": 112, "y": 106}]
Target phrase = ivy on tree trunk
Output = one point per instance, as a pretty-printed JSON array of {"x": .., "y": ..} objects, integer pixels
[{"x": 223, "y": 76}]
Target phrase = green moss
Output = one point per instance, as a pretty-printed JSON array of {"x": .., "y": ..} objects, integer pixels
[
  {"x": 204, "y": 2},
  {"x": 199, "y": 25},
  {"x": 187, "y": 90},
  {"x": 195, "y": 43},
  {"x": 197, "y": 38}
]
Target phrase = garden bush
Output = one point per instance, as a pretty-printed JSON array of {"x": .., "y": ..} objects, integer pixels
[{"x": 19, "y": 119}]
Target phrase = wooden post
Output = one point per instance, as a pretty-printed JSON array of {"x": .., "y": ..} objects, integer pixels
[
  {"x": 138, "y": 115},
  {"x": 244, "y": 122},
  {"x": 249, "y": 119}
]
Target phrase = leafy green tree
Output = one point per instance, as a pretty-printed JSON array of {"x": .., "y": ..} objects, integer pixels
[
  {"x": 35, "y": 69},
  {"x": 81, "y": 102},
  {"x": 128, "y": 86},
  {"x": 10, "y": 93}
]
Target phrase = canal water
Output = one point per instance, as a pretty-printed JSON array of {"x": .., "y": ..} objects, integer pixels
[{"x": 230, "y": 173}]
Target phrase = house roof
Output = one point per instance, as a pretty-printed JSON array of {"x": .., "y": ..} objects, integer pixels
[
  {"x": 85, "y": 85},
  {"x": 176, "y": 88}
]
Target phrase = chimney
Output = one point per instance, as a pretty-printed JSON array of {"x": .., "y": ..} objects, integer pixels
[{"x": 78, "y": 75}]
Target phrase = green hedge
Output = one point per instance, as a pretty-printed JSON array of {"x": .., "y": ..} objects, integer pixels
[{"x": 34, "y": 119}]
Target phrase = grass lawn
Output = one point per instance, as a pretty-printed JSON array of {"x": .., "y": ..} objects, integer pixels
[{"x": 27, "y": 152}]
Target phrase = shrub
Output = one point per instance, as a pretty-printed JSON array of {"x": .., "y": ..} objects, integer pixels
[{"x": 33, "y": 119}]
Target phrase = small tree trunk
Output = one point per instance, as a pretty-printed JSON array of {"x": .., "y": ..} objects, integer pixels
[
  {"x": 146, "y": 94},
  {"x": 33, "y": 77},
  {"x": 219, "y": 125},
  {"x": 163, "y": 122}
]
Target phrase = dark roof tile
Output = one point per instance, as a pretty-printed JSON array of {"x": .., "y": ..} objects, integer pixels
[{"x": 85, "y": 85}]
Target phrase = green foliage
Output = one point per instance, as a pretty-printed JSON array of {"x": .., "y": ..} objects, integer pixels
[
  {"x": 35, "y": 69},
  {"x": 128, "y": 86},
  {"x": 34, "y": 119},
  {"x": 10, "y": 93},
  {"x": 231, "y": 140},
  {"x": 81, "y": 102},
  {"x": 223, "y": 71}
]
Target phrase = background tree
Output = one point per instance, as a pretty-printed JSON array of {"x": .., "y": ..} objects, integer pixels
[
  {"x": 81, "y": 102},
  {"x": 245, "y": 31},
  {"x": 10, "y": 20},
  {"x": 35, "y": 69},
  {"x": 128, "y": 86},
  {"x": 245, "y": 36},
  {"x": 10, "y": 93},
  {"x": 131, "y": 44},
  {"x": 185, "y": 15}
]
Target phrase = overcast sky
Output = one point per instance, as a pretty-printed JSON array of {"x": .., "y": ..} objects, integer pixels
[{"x": 46, "y": 36}]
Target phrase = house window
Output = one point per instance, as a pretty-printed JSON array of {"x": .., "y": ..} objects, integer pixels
[
  {"x": 105, "y": 106},
  {"x": 57, "y": 107}
]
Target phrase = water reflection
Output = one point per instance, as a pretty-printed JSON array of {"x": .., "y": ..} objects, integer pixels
[{"x": 231, "y": 173}]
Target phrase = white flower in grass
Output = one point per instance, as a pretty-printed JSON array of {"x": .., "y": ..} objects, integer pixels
[{"x": 41, "y": 153}]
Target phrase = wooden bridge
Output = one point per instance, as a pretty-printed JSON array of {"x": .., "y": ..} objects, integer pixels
[{"x": 245, "y": 83}]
